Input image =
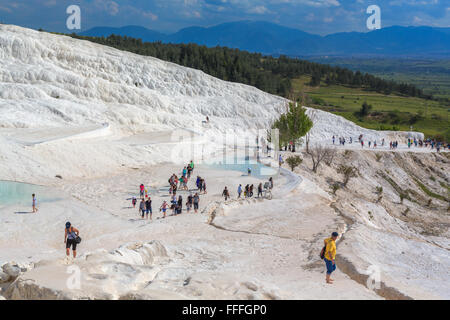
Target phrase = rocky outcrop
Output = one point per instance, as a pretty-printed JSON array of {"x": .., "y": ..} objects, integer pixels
[{"x": 10, "y": 271}]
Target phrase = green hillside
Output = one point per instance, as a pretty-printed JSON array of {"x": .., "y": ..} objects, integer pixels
[{"x": 389, "y": 112}]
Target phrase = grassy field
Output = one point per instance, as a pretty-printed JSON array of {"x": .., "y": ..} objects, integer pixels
[
  {"x": 389, "y": 112},
  {"x": 436, "y": 84},
  {"x": 433, "y": 76}
]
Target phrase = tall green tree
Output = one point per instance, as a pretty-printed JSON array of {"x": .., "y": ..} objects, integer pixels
[{"x": 293, "y": 125}]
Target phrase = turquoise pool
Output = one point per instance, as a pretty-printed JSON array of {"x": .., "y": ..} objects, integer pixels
[
  {"x": 17, "y": 193},
  {"x": 258, "y": 170}
]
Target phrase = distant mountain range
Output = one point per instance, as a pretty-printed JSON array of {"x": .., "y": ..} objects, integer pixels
[{"x": 273, "y": 39}]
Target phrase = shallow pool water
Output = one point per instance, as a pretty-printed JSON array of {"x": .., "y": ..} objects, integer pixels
[
  {"x": 17, "y": 193},
  {"x": 258, "y": 170}
]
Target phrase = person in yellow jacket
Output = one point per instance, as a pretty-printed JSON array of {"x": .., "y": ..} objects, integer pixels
[{"x": 330, "y": 255}]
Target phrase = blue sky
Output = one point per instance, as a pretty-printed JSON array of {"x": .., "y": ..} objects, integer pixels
[{"x": 314, "y": 16}]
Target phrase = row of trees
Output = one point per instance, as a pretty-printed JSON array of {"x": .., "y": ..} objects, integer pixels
[{"x": 270, "y": 74}]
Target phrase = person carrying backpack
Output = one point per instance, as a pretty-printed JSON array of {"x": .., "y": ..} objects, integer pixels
[
  {"x": 328, "y": 254},
  {"x": 71, "y": 239}
]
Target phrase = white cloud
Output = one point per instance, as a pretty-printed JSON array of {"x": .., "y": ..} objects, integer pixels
[
  {"x": 258, "y": 10},
  {"x": 9, "y": 7},
  {"x": 190, "y": 2},
  {"x": 6, "y": 9},
  {"x": 310, "y": 17},
  {"x": 413, "y": 2},
  {"x": 110, "y": 7},
  {"x": 150, "y": 15},
  {"x": 50, "y": 3},
  {"x": 312, "y": 3},
  {"x": 192, "y": 14}
]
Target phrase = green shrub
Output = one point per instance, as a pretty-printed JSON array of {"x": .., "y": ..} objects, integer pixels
[
  {"x": 294, "y": 161},
  {"x": 335, "y": 187},
  {"x": 429, "y": 192},
  {"x": 378, "y": 156}
]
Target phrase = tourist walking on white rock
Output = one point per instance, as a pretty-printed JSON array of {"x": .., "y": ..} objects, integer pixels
[
  {"x": 197, "y": 182},
  {"x": 141, "y": 190},
  {"x": 203, "y": 184},
  {"x": 183, "y": 183},
  {"x": 148, "y": 208},
  {"x": 329, "y": 255},
  {"x": 190, "y": 169},
  {"x": 225, "y": 193},
  {"x": 173, "y": 203},
  {"x": 260, "y": 190},
  {"x": 163, "y": 208},
  {"x": 142, "y": 208},
  {"x": 34, "y": 203},
  {"x": 189, "y": 203},
  {"x": 71, "y": 239},
  {"x": 179, "y": 206},
  {"x": 196, "y": 202},
  {"x": 239, "y": 191}
]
